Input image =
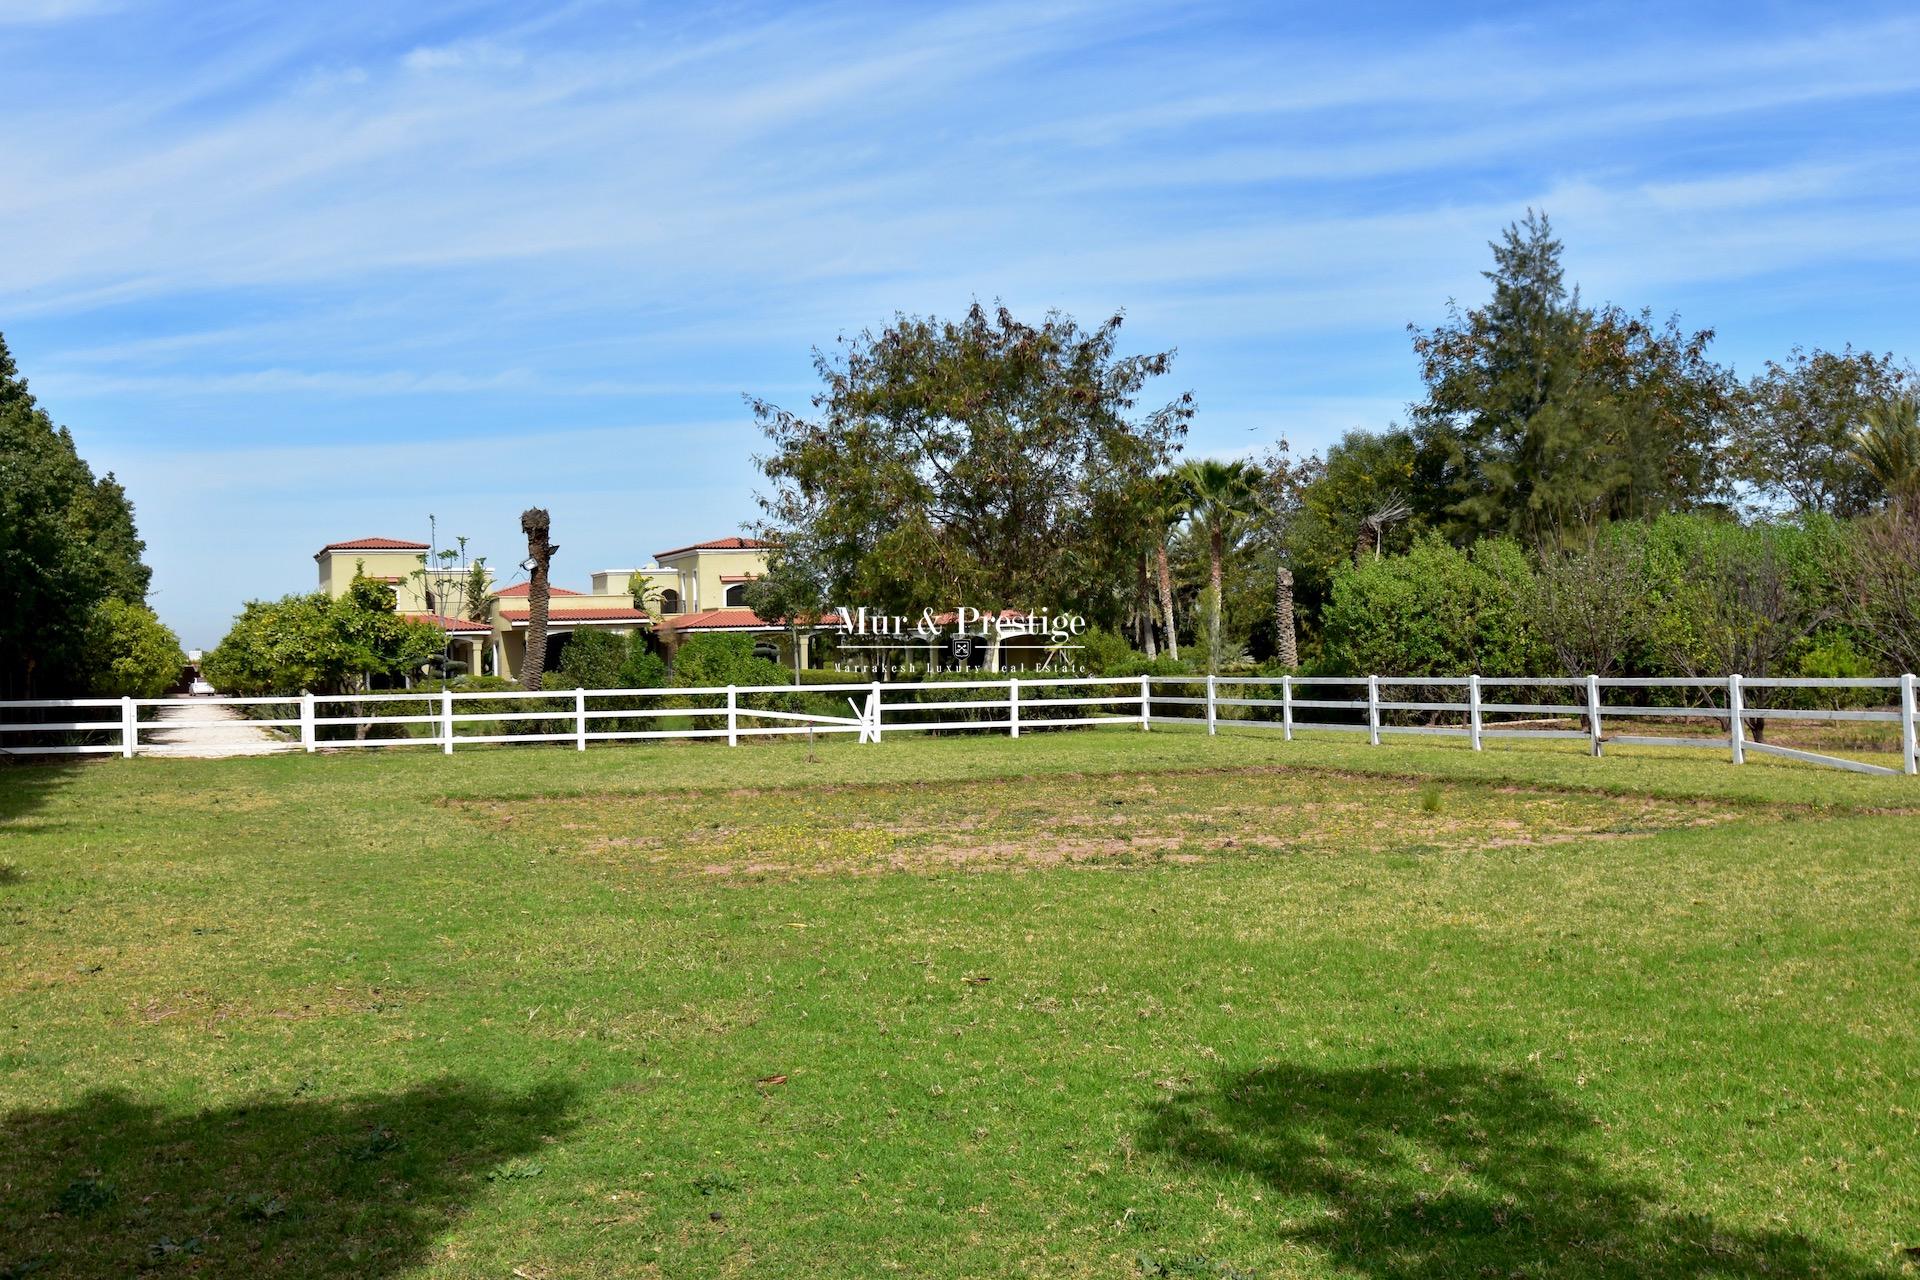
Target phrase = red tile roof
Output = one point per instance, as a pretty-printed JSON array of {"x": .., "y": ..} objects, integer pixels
[
  {"x": 559, "y": 618},
  {"x": 522, "y": 588},
  {"x": 718, "y": 544},
  {"x": 376, "y": 544},
  {"x": 716, "y": 620},
  {"x": 445, "y": 623},
  {"x": 739, "y": 577}
]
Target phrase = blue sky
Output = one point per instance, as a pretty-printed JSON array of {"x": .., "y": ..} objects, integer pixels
[{"x": 307, "y": 272}]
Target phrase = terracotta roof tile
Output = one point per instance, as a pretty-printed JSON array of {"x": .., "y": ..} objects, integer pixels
[
  {"x": 376, "y": 544},
  {"x": 557, "y": 618},
  {"x": 718, "y": 544},
  {"x": 522, "y": 588}
]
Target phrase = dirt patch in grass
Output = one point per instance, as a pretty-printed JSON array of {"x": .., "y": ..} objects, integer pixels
[{"x": 1105, "y": 823}]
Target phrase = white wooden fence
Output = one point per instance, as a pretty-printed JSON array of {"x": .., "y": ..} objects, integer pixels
[{"x": 1471, "y": 707}]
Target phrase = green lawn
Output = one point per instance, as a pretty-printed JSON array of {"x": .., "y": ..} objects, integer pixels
[{"x": 1096, "y": 1004}]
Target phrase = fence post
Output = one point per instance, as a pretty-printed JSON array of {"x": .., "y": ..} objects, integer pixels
[
  {"x": 579, "y": 719},
  {"x": 446, "y": 721},
  {"x": 733, "y": 716},
  {"x": 1593, "y": 711},
  {"x": 1013, "y": 706},
  {"x": 1146, "y": 705},
  {"x": 129, "y": 728},
  {"x": 875, "y": 710},
  {"x": 1736, "y": 731},
  {"x": 307, "y": 731},
  {"x": 1286, "y": 708},
  {"x": 1213, "y": 712},
  {"x": 1473, "y": 710},
  {"x": 1909, "y": 729},
  {"x": 1373, "y": 711}
]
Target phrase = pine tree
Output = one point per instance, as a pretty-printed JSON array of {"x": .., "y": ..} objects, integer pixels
[{"x": 1545, "y": 418}]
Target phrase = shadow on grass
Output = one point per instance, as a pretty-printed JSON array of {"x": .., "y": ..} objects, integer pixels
[
  {"x": 1418, "y": 1173},
  {"x": 354, "y": 1187},
  {"x": 28, "y": 784}
]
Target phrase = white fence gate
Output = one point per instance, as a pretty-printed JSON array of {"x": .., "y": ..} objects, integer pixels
[{"x": 1472, "y": 707}]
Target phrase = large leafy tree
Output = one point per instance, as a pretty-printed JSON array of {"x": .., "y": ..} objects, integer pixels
[
  {"x": 320, "y": 644},
  {"x": 982, "y": 461},
  {"x": 793, "y": 592},
  {"x": 1544, "y": 417},
  {"x": 67, "y": 544},
  {"x": 1794, "y": 437}
]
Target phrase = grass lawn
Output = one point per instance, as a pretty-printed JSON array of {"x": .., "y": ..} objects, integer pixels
[{"x": 1096, "y": 1004}]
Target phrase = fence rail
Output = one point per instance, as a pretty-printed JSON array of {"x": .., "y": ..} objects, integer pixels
[{"x": 1734, "y": 707}]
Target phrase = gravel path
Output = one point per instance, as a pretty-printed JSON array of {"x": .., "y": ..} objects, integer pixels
[{"x": 233, "y": 735}]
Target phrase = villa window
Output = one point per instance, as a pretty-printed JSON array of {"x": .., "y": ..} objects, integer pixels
[
  {"x": 669, "y": 601},
  {"x": 737, "y": 596}
]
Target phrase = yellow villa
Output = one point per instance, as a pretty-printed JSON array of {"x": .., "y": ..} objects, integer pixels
[
  {"x": 692, "y": 590},
  {"x": 687, "y": 591}
]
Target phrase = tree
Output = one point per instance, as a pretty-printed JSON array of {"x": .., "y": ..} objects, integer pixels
[
  {"x": 792, "y": 591},
  {"x": 1360, "y": 475},
  {"x": 1794, "y": 438},
  {"x": 536, "y": 524},
  {"x": 1221, "y": 499},
  {"x": 1164, "y": 508},
  {"x": 1371, "y": 537},
  {"x": 1883, "y": 583},
  {"x": 981, "y": 461},
  {"x": 320, "y": 644},
  {"x": 1278, "y": 499},
  {"x": 479, "y": 595},
  {"x": 133, "y": 654},
  {"x": 1744, "y": 599},
  {"x": 67, "y": 543},
  {"x": 1887, "y": 446},
  {"x": 1590, "y": 606},
  {"x": 1545, "y": 418}
]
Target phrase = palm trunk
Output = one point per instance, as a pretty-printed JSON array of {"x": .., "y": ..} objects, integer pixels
[
  {"x": 1286, "y": 649},
  {"x": 1146, "y": 609},
  {"x": 535, "y": 523},
  {"x": 1166, "y": 601}
]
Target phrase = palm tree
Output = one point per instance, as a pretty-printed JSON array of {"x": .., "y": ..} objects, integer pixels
[
  {"x": 1888, "y": 445},
  {"x": 479, "y": 592},
  {"x": 536, "y": 524},
  {"x": 1168, "y": 508},
  {"x": 1221, "y": 497},
  {"x": 1372, "y": 534}
]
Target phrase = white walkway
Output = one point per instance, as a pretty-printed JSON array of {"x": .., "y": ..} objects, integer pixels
[{"x": 212, "y": 730}]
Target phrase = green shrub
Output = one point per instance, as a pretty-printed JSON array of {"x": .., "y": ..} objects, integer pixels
[
  {"x": 1437, "y": 610},
  {"x": 1832, "y": 655},
  {"x": 591, "y": 660},
  {"x": 1108, "y": 654}
]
